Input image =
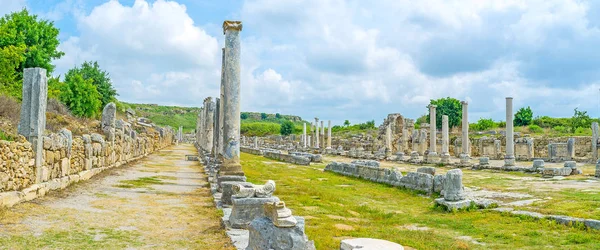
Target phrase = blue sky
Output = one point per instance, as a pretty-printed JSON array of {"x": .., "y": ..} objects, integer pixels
[{"x": 336, "y": 59}]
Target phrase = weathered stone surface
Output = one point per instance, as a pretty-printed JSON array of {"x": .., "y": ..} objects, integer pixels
[
  {"x": 369, "y": 163},
  {"x": 299, "y": 160},
  {"x": 453, "y": 205},
  {"x": 570, "y": 164},
  {"x": 453, "y": 188},
  {"x": 426, "y": 170},
  {"x": 263, "y": 234},
  {"x": 438, "y": 183},
  {"x": 280, "y": 215},
  {"x": 244, "y": 210},
  {"x": 259, "y": 191},
  {"x": 109, "y": 114},
  {"x": 369, "y": 244},
  {"x": 227, "y": 190},
  {"x": 538, "y": 164},
  {"x": 551, "y": 172}
]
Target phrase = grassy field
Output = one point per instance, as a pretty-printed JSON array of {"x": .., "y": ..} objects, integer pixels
[{"x": 338, "y": 207}]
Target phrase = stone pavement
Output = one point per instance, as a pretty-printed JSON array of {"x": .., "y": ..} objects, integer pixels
[{"x": 160, "y": 202}]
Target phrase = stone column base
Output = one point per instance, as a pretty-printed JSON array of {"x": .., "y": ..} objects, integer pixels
[
  {"x": 509, "y": 161},
  {"x": 263, "y": 234},
  {"x": 245, "y": 210},
  {"x": 464, "y": 158},
  {"x": 445, "y": 158},
  {"x": 432, "y": 157}
]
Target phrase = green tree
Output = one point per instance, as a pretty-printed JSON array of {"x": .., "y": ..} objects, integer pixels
[
  {"x": 277, "y": 115},
  {"x": 11, "y": 58},
  {"x": 39, "y": 37},
  {"x": 80, "y": 96},
  {"x": 523, "y": 117},
  {"x": 346, "y": 123},
  {"x": 100, "y": 79},
  {"x": 263, "y": 116},
  {"x": 450, "y": 107},
  {"x": 287, "y": 128},
  {"x": 485, "y": 124},
  {"x": 244, "y": 116},
  {"x": 580, "y": 119}
]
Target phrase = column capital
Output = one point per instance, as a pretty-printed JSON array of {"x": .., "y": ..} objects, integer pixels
[
  {"x": 464, "y": 102},
  {"x": 233, "y": 25},
  {"x": 509, "y": 98},
  {"x": 432, "y": 106}
]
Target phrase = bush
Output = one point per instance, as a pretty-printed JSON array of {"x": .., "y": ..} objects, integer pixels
[
  {"x": 583, "y": 131},
  {"x": 57, "y": 107},
  {"x": 244, "y": 116},
  {"x": 81, "y": 96},
  {"x": 287, "y": 128},
  {"x": 523, "y": 117},
  {"x": 550, "y": 122},
  {"x": 260, "y": 129},
  {"x": 535, "y": 129},
  {"x": 263, "y": 116},
  {"x": 560, "y": 129},
  {"x": 484, "y": 124},
  {"x": 10, "y": 108}
]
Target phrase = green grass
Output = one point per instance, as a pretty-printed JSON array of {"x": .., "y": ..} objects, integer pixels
[
  {"x": 142, "y": 182},
  {"x": 338, "y": 207},
  {"x": 103, "y": 238},
  {"x": 5, "y": 137}
]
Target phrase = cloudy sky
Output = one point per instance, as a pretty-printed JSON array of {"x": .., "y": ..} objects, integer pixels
[{"x": 334, "y": 59}]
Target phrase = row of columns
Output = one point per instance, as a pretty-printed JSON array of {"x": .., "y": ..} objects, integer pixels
[{"x": 318, "y": 140}]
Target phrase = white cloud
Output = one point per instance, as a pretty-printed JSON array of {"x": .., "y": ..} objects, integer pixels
[{"x": 154, "y": 52}]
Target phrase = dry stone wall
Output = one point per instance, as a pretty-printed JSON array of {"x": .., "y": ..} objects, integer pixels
[{"x": 66, "y": 160}]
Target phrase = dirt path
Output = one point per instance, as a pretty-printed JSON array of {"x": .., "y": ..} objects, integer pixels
[{"x": 160, "y": 202}]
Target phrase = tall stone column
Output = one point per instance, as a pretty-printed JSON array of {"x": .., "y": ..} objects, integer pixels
[
  {"x": 509, "y": 159},
  {"x": 329, "y": 134},
  {"x": 445, "y": 140},
  {"x": 216, "y": 129},
  {"x": 109, "y": 115},
  {"x": 464, "y": 156},
  {"x": 316, "y": 132},
  {"x": 432, "y": 156},
  {"x": 199, "y": 129},
  {"x": 388, "y": 140},
  {"x": 33, "y": 113},
  {"x": 304, "y": 134},
  {"x": 231, "y": 103},
  {"x": 209, "y": 106},
  {"x": 322, "y": 134},
  {"x": 220, "y": 107},
  {"x": 595, "y": 135}
]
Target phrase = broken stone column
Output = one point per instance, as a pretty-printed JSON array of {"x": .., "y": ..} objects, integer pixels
[
  {"x": 595, "y": 141},
  {"x": 571, "y": 148},
  {"x": 322, "y": 134},
  {"x": 316, "y": 132},
  {"x": 220, "y": 139},
  {"x": 109, "y": 114},
  {"x": 256, "y": 142},
  {"x": 304, "y": 140},
  {"x": 509, "y": 159},
  {"x": 464, "y": 157},
  {"x": 216, "y": 130},
  {"x": 445, "y": 140},
  {"x": 231, "y": 100},
  {"x": 388, "y": 139},
  {"x": 33, "y": 113},
  {"x": 209, "y": 107},
  {"x": 597, "y": 174},
  {"x": 432, "y": 155},
  {"x": 329, "y": 134}
]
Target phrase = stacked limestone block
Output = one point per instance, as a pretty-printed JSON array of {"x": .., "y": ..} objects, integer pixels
[{"x": 16, "y": 165}]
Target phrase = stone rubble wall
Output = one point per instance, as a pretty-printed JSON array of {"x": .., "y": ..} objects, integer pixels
[
  {"x": 67, "y": 160},
  {"x": 251, "y": 151},
  {"x": 424, "y": 182},
  {"x": 300, "y": 160}
]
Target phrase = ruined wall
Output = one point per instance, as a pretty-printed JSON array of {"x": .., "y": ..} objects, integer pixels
[
  {"x": 66, "y": 160},
  {"x": 300, "y": 160}
]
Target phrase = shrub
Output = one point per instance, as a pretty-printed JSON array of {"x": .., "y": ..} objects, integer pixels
[
  {"x": 10, "y": 108},
  {"x": 560, "y": 129},
  {"x": 260, "y": 128},
  {"x": 55, "y": 106},
  {"x": 244, "y": 116},
  {"x": 535, "y": 129},
  {"x": 523, "y": 117},
  {"x": 287, "y": 128},
  {"x": 485, "y": 124},
  {"x": 583, "y": 131},
  {"x": 263, "y": 116},
  {"x": 80, "y": 96}
]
